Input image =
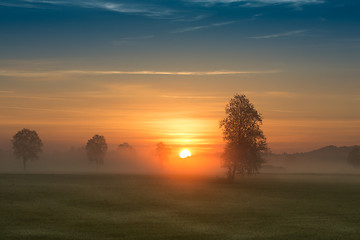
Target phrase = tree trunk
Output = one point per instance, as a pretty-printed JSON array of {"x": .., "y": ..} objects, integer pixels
[
  {"x": 232, "y": 172},
  {"x": 24, "y": 163},
  {"x": 231, "y": 177}
]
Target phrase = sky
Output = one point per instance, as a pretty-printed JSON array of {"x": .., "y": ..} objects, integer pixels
[{"x": 149, "y": 71}]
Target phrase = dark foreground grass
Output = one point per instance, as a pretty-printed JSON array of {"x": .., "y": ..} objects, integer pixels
[{"x": 153, "y": 207}]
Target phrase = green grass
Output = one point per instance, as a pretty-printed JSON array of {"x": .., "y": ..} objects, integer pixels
[{"x": 164, "y": 207}]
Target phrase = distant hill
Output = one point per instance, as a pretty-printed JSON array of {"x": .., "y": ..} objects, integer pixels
[
  {"x": 328, "y": 153},
  {"x": 327, "y": 159}
]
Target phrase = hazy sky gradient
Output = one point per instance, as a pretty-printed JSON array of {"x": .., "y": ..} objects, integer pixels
[{"x": 145, "y": 71}]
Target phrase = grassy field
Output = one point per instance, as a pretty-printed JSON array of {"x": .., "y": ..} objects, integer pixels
[{"x": 179, "y": 207}]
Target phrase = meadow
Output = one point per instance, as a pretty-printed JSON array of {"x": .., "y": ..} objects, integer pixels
[{"x": 266, "y": 206}]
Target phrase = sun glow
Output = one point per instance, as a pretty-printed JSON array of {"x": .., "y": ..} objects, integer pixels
[{"x": 185, "y": 153}]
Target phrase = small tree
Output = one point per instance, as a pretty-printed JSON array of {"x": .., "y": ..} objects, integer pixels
[
  {"x": 243, "y": 136},
  {"x": 96, "y": 148},
  {"x": 162, "y": 151},
  {"x": 127, "y": 151},
  {"x": 26, "y": 145},
  {"x": 354, "y": 157}
]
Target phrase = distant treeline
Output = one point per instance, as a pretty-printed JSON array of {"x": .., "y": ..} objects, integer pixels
[{"x": 27, "y": 145}]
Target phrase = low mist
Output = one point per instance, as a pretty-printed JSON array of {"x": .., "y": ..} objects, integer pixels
[
  {"x": 121, "y": 159},
  {"x": 329, "y": 159}
]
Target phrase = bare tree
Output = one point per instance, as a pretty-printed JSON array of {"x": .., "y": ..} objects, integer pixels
[
  {"x": 27, "y": 145},
  {"x": 243, "y": 136},
  {"x": 96, "y": 149},
  {"x": 162, "y": 152}
]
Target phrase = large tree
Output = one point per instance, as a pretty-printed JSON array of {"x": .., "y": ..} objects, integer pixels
[
  {"x": 243, "y": 136},
  {"x": 27, "y": 145},
  {"x": 96, "y": 149}
]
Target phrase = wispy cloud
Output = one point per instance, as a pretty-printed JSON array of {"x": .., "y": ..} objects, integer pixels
[
  {"x": 281, "y": 94},
  {"x": 191, "y": 19},
  {"x": 8, "y": 96},
  {"x": 283, "y": 34},
  {"x": 21, "y": 5},
  {"x": 149, "y": 10},
  {"x": 258, "y": 3},
  {"x": 273, "y": 94},
  {"x": 191, "y": 97},
  {"x": 40, "y": 109},
  {"x": 283, "y": 111},
  {"x": 195, "y": 28},
  {"x": 13, "y": 73},
  {"x": 46, "y": 1}
]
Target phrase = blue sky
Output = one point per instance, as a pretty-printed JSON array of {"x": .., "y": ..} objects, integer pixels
[
  {"x": 295, "y": 59},
  {"x": 79, "y": 30}
]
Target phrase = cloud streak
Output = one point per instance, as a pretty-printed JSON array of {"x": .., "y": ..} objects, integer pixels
[
  {"x": 195, "y": 28},
  {"x": 191, "y": 97},
  {"x": 284, "y": 34},
  {"x": 148, "y": 10},
  {"x": 40, "y": 109},
  {"x": 258, "y": 3},
  {"x": 296, "y": 4},
  {"x": 13, "y": 73}
]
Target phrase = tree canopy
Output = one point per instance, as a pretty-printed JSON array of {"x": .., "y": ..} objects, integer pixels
[
  {"x": 27, "y": 145},
  {"x": 162, "y": 151},
  {"x": 243, "y": 136},
  {"x": 96, "y": 149},
  {"x": 127, "y": 151},
  {"x": 354, "y": 157}
]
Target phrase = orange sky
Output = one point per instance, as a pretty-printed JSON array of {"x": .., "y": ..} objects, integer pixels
[{"x": 181, "y": 109}]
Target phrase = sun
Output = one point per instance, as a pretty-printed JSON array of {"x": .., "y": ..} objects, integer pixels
[{"x": 185, "y": 153}]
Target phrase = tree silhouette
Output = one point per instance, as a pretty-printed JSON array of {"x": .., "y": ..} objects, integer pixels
[
  {"x": 26, "y": 145},
  {"x": 96, "y": 148},
  {"x": 354, "y": 157},
  {"x": 243, "y": 136},
  {"x": 127, "y": 151},
  {"x": 162, "y": 152}
]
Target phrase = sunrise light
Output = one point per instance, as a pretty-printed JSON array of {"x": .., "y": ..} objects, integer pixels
[{"x": 185, "y": 153}]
